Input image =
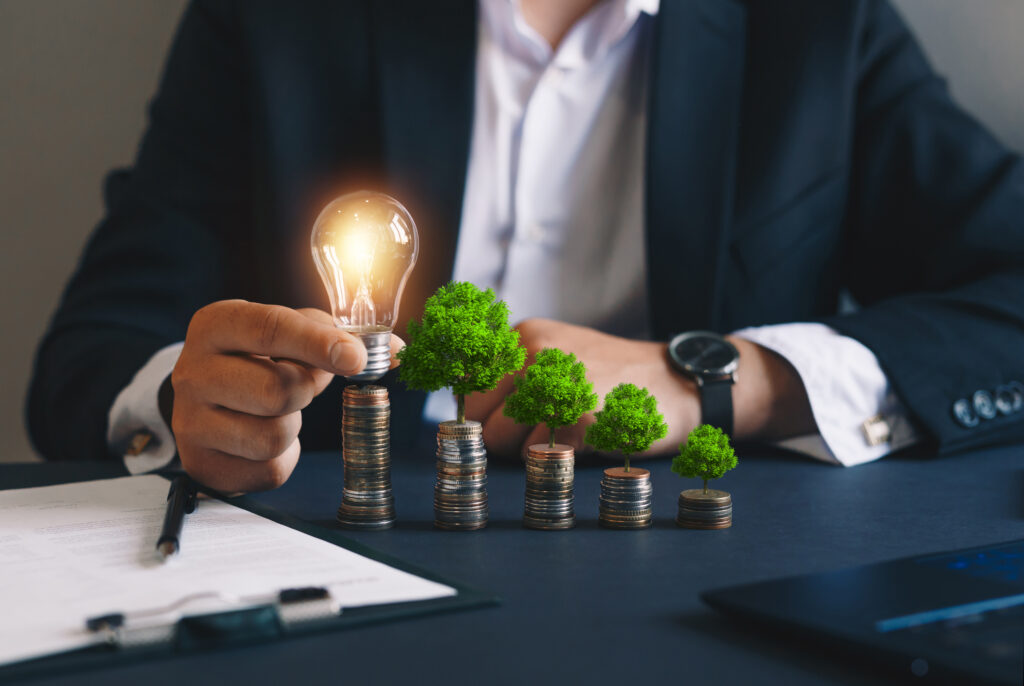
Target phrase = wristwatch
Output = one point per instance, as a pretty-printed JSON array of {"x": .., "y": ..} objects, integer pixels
[{"x": 711, "y": 361}]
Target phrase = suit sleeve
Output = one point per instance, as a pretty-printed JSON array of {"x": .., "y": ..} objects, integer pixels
[
  {"x": 936, "y": 249},
  {"x": 159, "y": 253}
]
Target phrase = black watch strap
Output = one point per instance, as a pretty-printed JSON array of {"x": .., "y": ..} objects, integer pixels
[{"x": 716, "y": 403}]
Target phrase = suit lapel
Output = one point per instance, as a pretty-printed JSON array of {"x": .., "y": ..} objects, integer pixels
[
  {"x": 425, "y": 57},
  {"x": 693, "y": 114}
]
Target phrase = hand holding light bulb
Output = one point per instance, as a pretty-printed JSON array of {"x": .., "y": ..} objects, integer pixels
[{"x": 246, "y": 372}]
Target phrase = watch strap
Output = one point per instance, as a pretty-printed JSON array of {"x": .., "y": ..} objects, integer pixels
[{"x": 716, "y": 403}]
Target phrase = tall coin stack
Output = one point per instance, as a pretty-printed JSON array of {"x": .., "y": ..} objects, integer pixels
[
  {"x": 549, "y": 487},
  {"x": 460, "y": 494},
  {"x": 700, "y": 510},
  {"x": 366, "y": 500},
  {"x": 625, "y": 501}
]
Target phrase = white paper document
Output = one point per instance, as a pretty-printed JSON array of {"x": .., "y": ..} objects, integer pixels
[{"x": 75, "y": 551}]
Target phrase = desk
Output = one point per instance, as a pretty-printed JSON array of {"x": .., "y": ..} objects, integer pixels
[{"x": 618, "y": 607}]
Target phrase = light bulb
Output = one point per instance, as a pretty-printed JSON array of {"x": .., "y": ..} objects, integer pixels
[{"x": 365, "y": 246}]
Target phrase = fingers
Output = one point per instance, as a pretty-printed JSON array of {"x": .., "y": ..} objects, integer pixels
[
  {"x": 316, "y": 315},
  {"x": 232, "y": 474},
  {"x": 481, "y": 406},
  {"x": 320, "y": 377},
  {"x": 278, "y": 332},
  {"x": 502, "y": 436},
  {"x": 324, "y": 318},
  {"x": 242, "y": 435},
  {"x": 253, "y": 385},
  {"x": 396, "y": 345}
]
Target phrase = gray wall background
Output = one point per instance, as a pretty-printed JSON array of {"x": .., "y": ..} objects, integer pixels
[{"x": 75, "y": 78}]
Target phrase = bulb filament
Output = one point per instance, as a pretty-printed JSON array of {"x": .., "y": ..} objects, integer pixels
[{"x": 364, "y": 312}]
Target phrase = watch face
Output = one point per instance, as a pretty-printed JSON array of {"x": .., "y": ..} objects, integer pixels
[{"x": 706, "y": 354}]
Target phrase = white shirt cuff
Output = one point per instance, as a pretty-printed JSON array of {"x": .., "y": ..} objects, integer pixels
[
  {"x": 137, "y": 411},
  {"x": 845, "y": 386}
]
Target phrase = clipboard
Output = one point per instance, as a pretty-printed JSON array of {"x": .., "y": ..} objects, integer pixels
[{"x": 290, "y": 613}]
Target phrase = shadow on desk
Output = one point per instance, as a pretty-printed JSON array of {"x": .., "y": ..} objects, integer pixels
[{"x": 829, "y": 663}]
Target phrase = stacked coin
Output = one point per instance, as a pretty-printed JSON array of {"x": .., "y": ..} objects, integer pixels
[
  {"x": 366, "y": 500},
  {"x": 549, "y": 486},
  {"x": 700, "y": 510},
  {"x": 460, "y": 494},
  {"x": 625, "y": 501}
]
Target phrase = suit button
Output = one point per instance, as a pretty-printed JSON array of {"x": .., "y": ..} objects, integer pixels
[
  {"x": 964, "y": 413},
  {"x": 984, "y": 405},
  {"x": 1004, "y": 399},
  {"x": 1017, "y": 389}
]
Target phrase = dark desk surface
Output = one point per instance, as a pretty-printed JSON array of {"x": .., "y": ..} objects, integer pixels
[{"x": 616, "y": 607}]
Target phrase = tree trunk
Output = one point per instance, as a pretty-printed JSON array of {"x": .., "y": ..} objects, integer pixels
[
  {"x": 462, "y": 408},
  {"x": 705, "y": 486},
  {"x": 627, "y": 463},
  {"x": 551, "y": 442}
]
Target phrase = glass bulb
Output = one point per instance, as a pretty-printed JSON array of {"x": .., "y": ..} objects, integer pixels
[{"x": 365, "y": 246}]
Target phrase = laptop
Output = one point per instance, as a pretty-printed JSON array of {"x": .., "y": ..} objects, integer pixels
[{"x": 955, "y": 617}]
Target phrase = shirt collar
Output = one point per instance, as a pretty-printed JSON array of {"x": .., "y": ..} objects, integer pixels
[{"x": 588, "y": 40}]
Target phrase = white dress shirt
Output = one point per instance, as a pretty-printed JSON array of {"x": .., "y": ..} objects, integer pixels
[{"x": 553, "y": 220}]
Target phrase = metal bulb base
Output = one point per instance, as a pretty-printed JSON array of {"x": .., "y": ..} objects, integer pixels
[{"x": 378, "y": 355}]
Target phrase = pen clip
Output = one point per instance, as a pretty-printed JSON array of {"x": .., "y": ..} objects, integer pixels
[
  {"x": 191, "y": 491},
  {"x": 293, "y": 607},
  {"x": 191, "y": 501}
]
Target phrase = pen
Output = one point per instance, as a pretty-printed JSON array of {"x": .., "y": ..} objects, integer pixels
[{"x": 181, "y": 500}]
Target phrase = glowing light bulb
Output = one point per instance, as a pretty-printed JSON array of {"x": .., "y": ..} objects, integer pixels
[{"x": 365, "y": 246}]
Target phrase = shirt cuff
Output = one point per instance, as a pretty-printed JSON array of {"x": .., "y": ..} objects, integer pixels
[
  {"x": 849, "y": 394},
  {"x": 135, "y": 415}
]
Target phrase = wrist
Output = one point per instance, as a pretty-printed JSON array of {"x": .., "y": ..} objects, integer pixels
[
  {"x": 677, "y": 394},
  {"x": 769, "y": 399}
]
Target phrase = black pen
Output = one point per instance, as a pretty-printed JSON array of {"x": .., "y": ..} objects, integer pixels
[{"x": 181, "y": 500}]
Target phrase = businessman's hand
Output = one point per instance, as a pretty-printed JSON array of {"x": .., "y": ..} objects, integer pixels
[
  {"x": 610, "y": 360},
  {"x": 769, "y": 399},
  {"x": 246, "y": 372}
]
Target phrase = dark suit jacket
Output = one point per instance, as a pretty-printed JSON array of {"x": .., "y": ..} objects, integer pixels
[{"x": 795, "y": 148}]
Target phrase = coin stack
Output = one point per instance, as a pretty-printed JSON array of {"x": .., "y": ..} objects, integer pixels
[
  {"x": 366, "y": 500},
  {"x": 549, "y": 486},
  {"x": 700, "y": 510},
  {"x": 625, "y": 501},
  {"x": 460, "y": 494}
]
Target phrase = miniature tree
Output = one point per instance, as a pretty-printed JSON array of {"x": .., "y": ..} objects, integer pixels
[
  {"x": 464, "y": 343},
  {"x": 629, "y": 422},
  {"x": 554, "y": 391},
  {"x": 706, "y": 455}
]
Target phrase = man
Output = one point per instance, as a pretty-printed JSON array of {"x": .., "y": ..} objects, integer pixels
[{"x": 635, "y": 171}]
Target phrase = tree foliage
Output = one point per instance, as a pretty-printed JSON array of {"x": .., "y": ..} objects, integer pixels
[
  {"x": 628, "y": 422},
  {"x": 464, "y": 343},
  {"x": 554, "y": 391},
  {"x": 705, "y": 455}
]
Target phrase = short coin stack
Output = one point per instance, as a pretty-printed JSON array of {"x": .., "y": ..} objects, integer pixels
[
  {"x": 700, "y": 510},
  {"x": 549, "y": 487},
  {"x": 625, "y": 501},
  {"x": 460, "y": 494},
  {"x": 366, "y": 501}
]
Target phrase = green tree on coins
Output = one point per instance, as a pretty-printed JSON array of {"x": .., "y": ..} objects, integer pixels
[
  {"x": 706, "y": 455},
  {"x": 629, "y": 422},
  {"x": 554, "y": 391},
  {"x": 464, "y": 343}
]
